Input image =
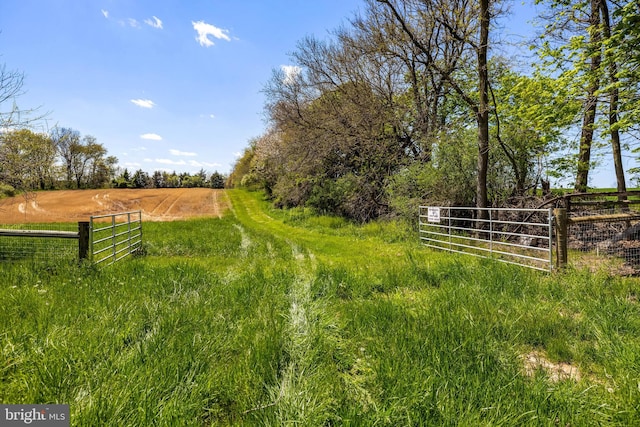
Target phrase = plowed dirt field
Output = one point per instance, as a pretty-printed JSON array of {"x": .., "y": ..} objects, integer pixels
[{"x": 161, "y": 204}]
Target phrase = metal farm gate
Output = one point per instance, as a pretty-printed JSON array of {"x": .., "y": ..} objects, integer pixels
[
  {"x": 515, "y": 236},
  {"x": 115, "y": 236}
]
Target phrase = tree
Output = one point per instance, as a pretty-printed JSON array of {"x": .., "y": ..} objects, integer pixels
[
  {"x": 467, "y": 24},
  {"x": 531, "y": 116},
  {"x": 84, "y": 160},
  {"x": 335, "y": 133},
  {"x": 102, "y": 171},
  {"x": 67, "y": 143},
  {"x": 11, "y": 87},
  {"x": 26, "y": 159},
  {"x": 199, "y": 179},
  {"x": 216, "y": 180},
  {"x": 242, "y": 167},
  {"x": 94, "y": 161},
  {"x": 157, "y": 180},
  {"x": 586, "y": 41},
  {"x": 140, "y": 179}
]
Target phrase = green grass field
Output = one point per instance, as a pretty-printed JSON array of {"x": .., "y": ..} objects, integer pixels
[{"x": 273, "y": 318}]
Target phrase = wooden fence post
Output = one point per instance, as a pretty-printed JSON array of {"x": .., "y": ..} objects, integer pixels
[
  {"x": 561, "y": 236},
  {"x": 83, "y": 240}
]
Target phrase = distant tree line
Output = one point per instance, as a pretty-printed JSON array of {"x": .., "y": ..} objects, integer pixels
[
  {"x": 412, "y": 102},
  {"x": 163, "y": 179},
  {"x": 64, "y": 159}
]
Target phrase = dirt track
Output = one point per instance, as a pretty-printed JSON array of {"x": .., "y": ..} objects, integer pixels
[{"x": 162, "y": 204}]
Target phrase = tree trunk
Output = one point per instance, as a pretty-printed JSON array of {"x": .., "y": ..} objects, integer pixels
[
  {"x": 588, "y": 120},
  {"x": 483, "y": 110},
  {"x": 613, "y": 104}
]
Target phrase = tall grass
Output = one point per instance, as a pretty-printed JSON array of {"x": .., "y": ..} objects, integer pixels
[{"x": 268, "y": 317}]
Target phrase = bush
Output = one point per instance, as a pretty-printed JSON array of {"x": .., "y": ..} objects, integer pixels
[
  {"x": 6, "y": 190},
  {"x": 448, "y": 180}
]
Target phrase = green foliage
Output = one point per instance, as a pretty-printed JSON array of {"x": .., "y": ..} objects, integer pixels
[
  {"x": 241, "y": 168},
  {"x": 535, "y": 112},
  {"x": 270, "y": 317},
  {"x": 27, "y": 160},
  {"x": 446, "y": 181},
  {"x": 6, "y": 190},
  {"x": 216, "y": 180}
]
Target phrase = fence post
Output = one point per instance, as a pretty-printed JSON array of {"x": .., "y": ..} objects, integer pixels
[
  {"x": 561, "y": 236},
  {"x": 83, "y": 240}
]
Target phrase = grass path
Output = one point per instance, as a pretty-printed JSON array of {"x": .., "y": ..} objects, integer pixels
[
  {"x": 332, "y": 248},
  {"x": 413, "y": 334},
  {"x": 298, "y": 397}
]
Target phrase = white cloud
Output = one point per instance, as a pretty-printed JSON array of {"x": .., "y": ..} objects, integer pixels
[
  {"x": 182, "y": 153},
  {"x": 197, "y": 164},
  {"x": 151, "y": 136},
  {"x": 133, "y": 23},
  {"x": 205, "y": 30},
  {"x": 105, "y": 13},
  {"x": 290, "y": 73},
  {"x": 171, "y": 162},
  {"x": 144, "y": 103},
  {"x": 238, "y": 154},
  {"x": 154, "y": 22}
]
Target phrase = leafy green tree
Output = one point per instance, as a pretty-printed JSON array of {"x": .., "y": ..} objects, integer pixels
[
  {"x": 102, "y": 171},
  {"x": 216, "y": 180},
  {"x": 67, "y": 142},
  {"x": 531, "y": 114},
  {"x": 172, "y": 179},
  {"x": 123, "y": 180},
  {"x": 157, "y": 179},
  {"x": 242, "y": 167},
  {"x": 140, "y": 179},
  {"x": 449, "y": 180},
  {"x": 26, "y": 159},
  {"x": 585, "y": 42},
  {"x": 468, "y": 24}
]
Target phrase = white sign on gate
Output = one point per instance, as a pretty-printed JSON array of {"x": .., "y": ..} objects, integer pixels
[{"x": 433, "y": 214}]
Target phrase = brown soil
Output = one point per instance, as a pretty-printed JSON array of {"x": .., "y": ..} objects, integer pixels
[
  {"x": 161, "y": 204},
  {"x": 555, "y": 371}
]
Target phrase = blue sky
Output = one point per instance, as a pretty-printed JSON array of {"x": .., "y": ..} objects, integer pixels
[
  {"x": 162, "y": 84},
  {"x": 167, "y": 84}
]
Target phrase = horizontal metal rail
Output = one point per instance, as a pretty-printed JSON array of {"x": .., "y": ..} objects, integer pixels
[
  {"x": 604, "y": 218},
  {"x": 117, "y": 214},
  {"x": 97, "y": 230},
  {"x": 40, "y": 233}
]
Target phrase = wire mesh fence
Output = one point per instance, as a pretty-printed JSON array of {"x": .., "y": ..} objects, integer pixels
[
  {"x": 608, "y": 238},
  {"x": 31, "y": 246}
]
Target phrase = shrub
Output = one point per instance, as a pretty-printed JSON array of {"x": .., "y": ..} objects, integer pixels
[{"x": 6, "y": 190}]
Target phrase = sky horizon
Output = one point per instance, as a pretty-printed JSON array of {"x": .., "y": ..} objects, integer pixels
[
  {"x": 170, "y": 85},
  {"x": 163, "y": 85}
]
